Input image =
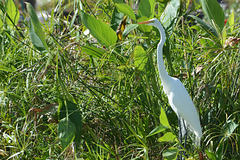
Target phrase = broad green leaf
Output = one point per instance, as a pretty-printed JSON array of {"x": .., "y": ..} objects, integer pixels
[
  {"x": 72, "y": 111},
  {"x": 143, "y": 27},
  {"x": 207, "y": 43},
  {"x": 13, "y": 13},
  {"x": 214, "y": 12},
  {"x": 36, "y": 33},
  {"x": 129, "y": 28},
  {"x": 101, "y": 31},
  {"x": 167, "y": 137},
  {"x": 220, "y": 150},
  {"x": 170, "y": 153},
  {"x": 157, "y": 130},
  {"x": 66, "y": 132},
  {"x": 168, "y": 17},
  {"x": 228, "y": 128},
  {"x": 37, "y": 42},
  {"x": 196, "y": 5},
  {"x": 224, "y": 36},
  {"x": 116, "y": 20},
  {"x": 210, "y": 30},
  {"x": 119, "y": 1},
  {"x": 146, "y": 8},
  {"x": 163, "y": 118},
  {"x": 93, "y": 51},
  {"x": 1, "y": 24},
  {"x": 140, "y": 58},
  {"x": 231, "y": 20},
  {"x": 126, "y": 9},
  {"x": 161, "y": 6},
  {"x": 211, "y": 155}
]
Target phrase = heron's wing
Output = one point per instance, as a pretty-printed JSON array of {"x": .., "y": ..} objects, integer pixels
[{"x": 182, "y": 104}]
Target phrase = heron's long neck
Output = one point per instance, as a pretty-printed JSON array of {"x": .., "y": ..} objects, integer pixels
[{"x": 161, "y": 68}]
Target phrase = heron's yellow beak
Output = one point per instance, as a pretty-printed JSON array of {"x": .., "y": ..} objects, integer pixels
[{"x": 145, "y": 22}]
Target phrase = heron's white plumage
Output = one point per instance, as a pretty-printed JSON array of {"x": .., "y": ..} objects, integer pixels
[
  {"x": 178, "y": 96},
  {"x": 180, "y": 100}
]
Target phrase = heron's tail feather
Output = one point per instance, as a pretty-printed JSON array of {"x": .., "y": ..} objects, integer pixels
[
  {"x": 197, "y": 140},
  {"x": 197, "y": 132},
  {"x": 198, "y": 135}
]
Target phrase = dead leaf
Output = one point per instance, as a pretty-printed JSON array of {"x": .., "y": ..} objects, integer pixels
[
  {"x": 51, "y": 108},
  {"x": 231, "y": 41},
  {"x": 121, "y": 28}
]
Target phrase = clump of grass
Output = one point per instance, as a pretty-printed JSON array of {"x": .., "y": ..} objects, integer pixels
[{"x": 119, "y": 103}]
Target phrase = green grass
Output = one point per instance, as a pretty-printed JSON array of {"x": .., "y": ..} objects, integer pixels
[{"x": 119, "y": 103}]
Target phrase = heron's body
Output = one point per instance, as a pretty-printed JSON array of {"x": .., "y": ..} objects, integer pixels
[
  {"x": 183, "y": 106},
  {"x": 178, "y": 96}
]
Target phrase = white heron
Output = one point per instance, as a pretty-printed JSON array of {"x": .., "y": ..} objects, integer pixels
[{"x": 178, "y": 97}]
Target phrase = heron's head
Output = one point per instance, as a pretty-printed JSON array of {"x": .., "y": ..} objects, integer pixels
[{"x": 152, "y": 22}]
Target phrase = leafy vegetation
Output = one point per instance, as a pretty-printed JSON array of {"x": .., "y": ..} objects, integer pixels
[{"x": 86, "y": 86}]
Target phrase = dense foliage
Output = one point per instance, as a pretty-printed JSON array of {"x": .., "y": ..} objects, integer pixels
[{"x": 85, "y": 84}]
